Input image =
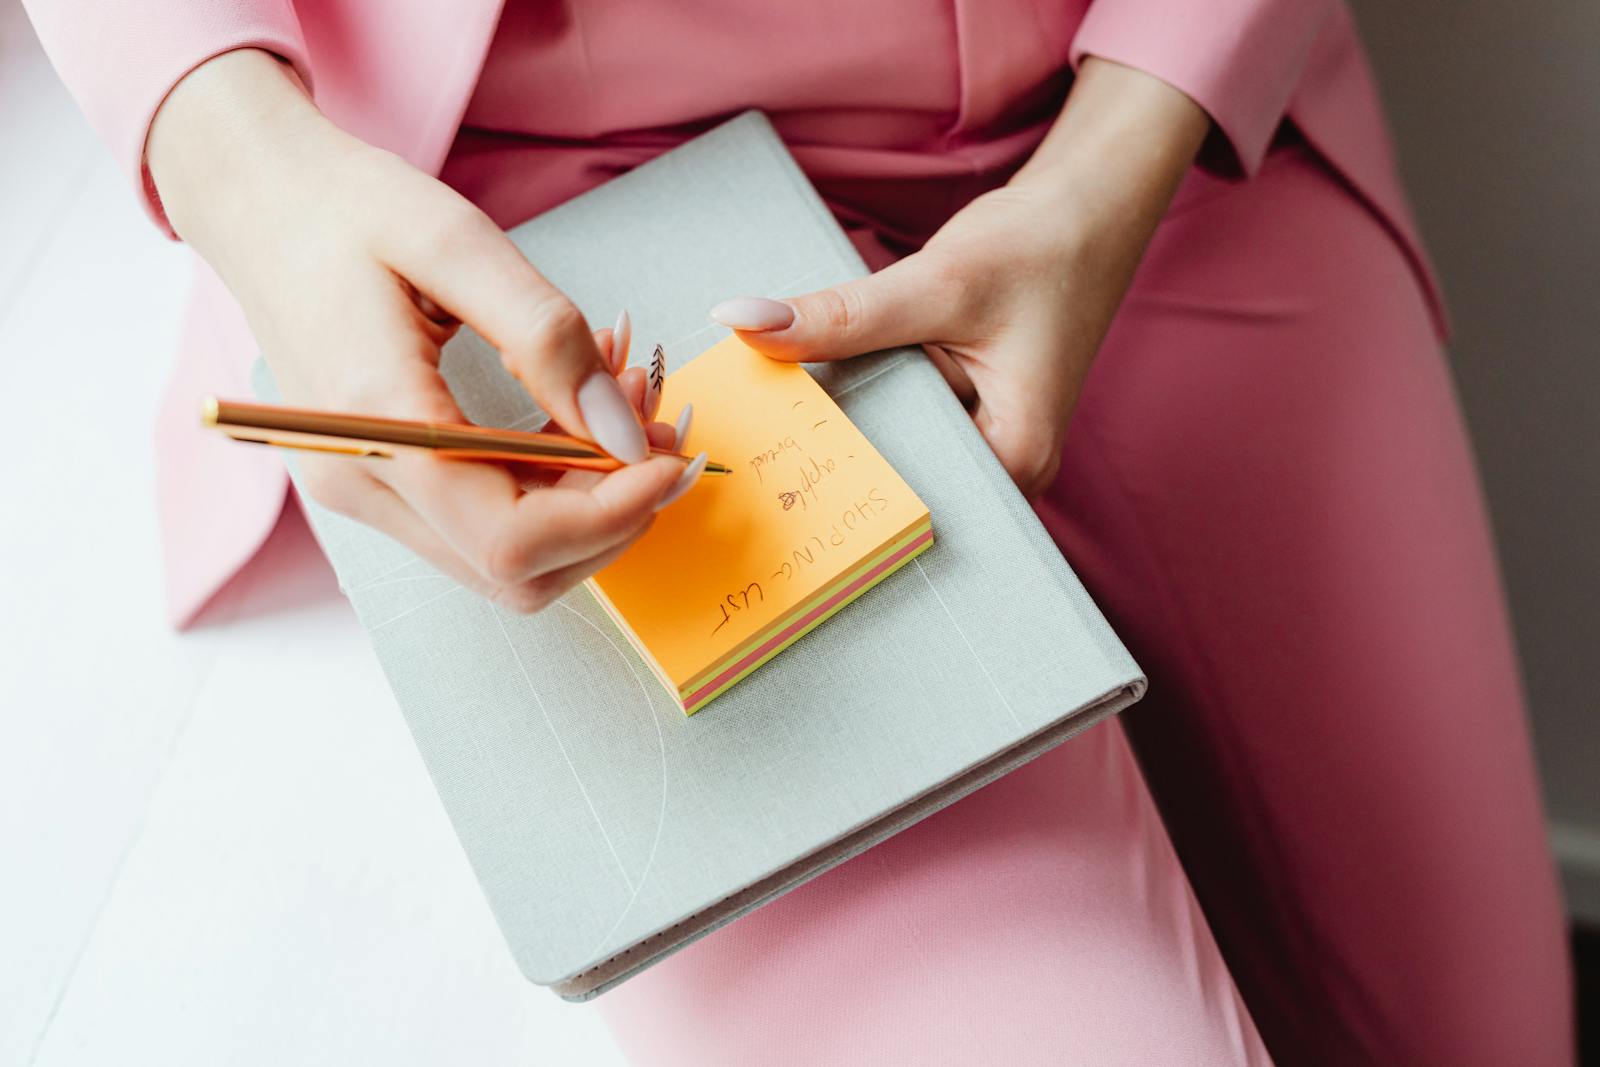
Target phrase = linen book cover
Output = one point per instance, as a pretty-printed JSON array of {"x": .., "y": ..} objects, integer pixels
[
  {"x": 745, "y": 565},
  {"x": 606, "y": 827}
]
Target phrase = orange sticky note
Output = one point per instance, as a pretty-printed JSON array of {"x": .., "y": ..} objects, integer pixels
[{"x": 746, "y": 564}]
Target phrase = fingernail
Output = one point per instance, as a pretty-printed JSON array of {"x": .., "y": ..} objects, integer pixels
[
  {"x": 621, "y": 334},
  {"x": 610, "y": 419},
  {"x": 753, "y": 313},
  {"x": 657, "y": 380},
  {"x": 681, "y": 427},
  {"x": 686, "y": 480}
]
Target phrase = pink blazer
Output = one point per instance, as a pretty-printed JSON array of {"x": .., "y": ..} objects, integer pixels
[{"x": 400, "y": 75}]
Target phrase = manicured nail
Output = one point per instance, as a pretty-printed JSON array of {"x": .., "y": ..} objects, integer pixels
[
  {"x": 657, "y": 380},
  {"x": 621, "y": 334},
  {"x": 685, "y": 482},
  {"x": 681, "y": 427},
  {"x": 610, "y": 418},
  {"x": 753, "y": 313}
]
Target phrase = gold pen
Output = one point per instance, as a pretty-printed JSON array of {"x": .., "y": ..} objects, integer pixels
[{"x": 369, "y": 435}]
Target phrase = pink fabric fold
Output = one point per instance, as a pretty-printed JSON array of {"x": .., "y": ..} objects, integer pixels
[
  {"x": 218, "y": 500},
  {"x": 1241, "y": 60}
]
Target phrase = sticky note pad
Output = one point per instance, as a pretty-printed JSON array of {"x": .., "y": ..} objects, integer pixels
[{"x": 746, "y": 564}]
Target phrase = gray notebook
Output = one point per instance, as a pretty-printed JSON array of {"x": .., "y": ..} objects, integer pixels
[{"x": 606, "y": 827}]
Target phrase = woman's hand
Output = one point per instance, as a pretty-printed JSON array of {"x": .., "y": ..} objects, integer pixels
[
  {"x": 354, "y": 269},
  {"x": 1012, "y": 297}
]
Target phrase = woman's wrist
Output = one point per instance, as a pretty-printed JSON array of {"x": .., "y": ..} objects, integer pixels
[
  {"x": 1107, "y": 170},
  {"x": 224, "y": 126}
]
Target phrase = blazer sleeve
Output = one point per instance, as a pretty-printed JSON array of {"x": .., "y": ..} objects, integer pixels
[
  {"x": 1240, "y": 60},
  {"x": 120, "y": 59}
]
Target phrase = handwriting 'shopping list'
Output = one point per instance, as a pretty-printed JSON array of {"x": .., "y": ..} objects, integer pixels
[{"x": 744, "y": 566}]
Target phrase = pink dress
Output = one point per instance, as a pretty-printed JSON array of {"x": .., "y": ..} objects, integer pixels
[{"x": 1330, "y": 848}]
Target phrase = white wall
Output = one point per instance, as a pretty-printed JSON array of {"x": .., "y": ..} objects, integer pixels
[{"x": 1496, "y": 113}]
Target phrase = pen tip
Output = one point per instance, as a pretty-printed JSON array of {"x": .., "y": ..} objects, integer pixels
[{"x": 718, "y": 468}]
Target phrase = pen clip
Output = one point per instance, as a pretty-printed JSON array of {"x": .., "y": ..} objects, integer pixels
[{"x": 360, "y": 451}]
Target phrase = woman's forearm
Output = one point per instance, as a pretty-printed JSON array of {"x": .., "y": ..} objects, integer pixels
[
  {"x": 1113, "y": 160},
  {"x": 226, "y": 127}
]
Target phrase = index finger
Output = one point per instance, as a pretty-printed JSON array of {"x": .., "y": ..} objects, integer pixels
[{"x": 465, "y": 264}]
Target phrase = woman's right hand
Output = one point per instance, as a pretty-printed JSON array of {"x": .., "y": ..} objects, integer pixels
[{"x": 354, "y": 269}]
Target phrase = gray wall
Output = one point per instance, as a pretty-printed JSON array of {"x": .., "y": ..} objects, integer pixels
[{"x": 1496, "y": 114}]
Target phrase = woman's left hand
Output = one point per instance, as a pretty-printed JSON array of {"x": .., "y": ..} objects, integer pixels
[
  {"x": 1009, "y": 312},
  {"x": 1013, "y": 295}
]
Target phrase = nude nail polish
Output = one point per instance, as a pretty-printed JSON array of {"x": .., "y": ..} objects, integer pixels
[
  {"x": 610, "y": 418},
  {"x": 681, "y": 427},
  {"x": 755, "y": 313},
  {"x": 621, "y": 334},
  {"x": 686, "y": 480},
  {"x": 656, "y": 382}
]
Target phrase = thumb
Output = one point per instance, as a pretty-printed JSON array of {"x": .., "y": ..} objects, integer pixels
[
  {"x": 474, "y": 272},
  {"x": 892, "y": 307}
]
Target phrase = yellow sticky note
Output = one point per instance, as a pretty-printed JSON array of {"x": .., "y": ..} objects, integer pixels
[{"x": 744, "y": 565}]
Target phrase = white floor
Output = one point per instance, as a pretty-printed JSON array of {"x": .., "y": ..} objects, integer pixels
[{"x": 217, "y": 847}]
